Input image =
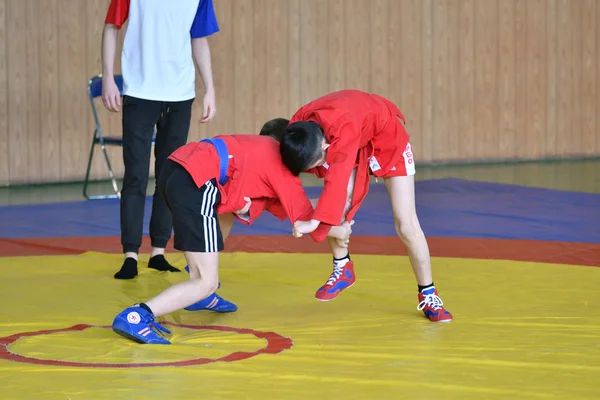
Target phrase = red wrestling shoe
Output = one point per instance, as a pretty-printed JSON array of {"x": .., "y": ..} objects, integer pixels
[
  {"x": 341, "y": 278},
  {"x": 432, "y": 306}
]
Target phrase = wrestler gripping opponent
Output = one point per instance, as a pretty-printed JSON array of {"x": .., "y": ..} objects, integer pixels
[
  {"x": 344, "y": 137},
  {"x": 203, "y": 184}
]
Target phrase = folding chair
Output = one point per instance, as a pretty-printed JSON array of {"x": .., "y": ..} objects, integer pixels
[{"x": 95, "y": 91}]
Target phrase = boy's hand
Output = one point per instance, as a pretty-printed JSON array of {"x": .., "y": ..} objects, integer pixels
[
  {"x": 302, "y": 227},
  {"x": 111, "y": 96},
  {"x": 208, "y": 106},
  {"x": 246, "y": 207}
]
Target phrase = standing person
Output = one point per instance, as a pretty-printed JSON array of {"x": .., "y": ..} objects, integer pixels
[
  {"x": 162, "y": 42},
  {"x": 344, "y": 137}
]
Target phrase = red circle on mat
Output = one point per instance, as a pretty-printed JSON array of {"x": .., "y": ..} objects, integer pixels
[{"x": 275, "y": 344}]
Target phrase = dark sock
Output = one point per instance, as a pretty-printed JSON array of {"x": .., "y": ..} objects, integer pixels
[
  {"x": 128, "y": 270},
  {"x": 145, "y": 307},
  {"x": 341, "y": 262},
  {"x": 160, "y": 263},
  {"x": 421, "y": 288},
  {"x": 343, "y": 258}
]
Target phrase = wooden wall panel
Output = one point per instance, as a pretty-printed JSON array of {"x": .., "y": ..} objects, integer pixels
[
  {"x": 520, "y": 78},
  {"x": 475, "y": 79},
  {"x": 587, "y": 80},
  {"x": 33, "y": 107},
  {"x": 223, "y": 58},
  {"x": 549, "y": 141},
  {"x": 335, "y": 31},
  {"x": 357, "y": 43},
  {"x": 565, "y": 77},
  {"x": 537, "y": 62},
  {"x": 466, "y": 80},
  {"x": 380, "y": 48},
  {"x": 446, "y": 79},
  {"x": 18, "y": 135},
  {"x": 596, "y": 146},
  {"x": 74, "y": 111},
  {"x": 410, "y": 79},
  {"x": 49, "y": 92},
  {"x": 486, "y": 80},
  {"x": 4, "y": 145},
  {"x": 429, "y": 136},
  {"x": 243, "y": 67},
  {"x": 276, "y": 87}
]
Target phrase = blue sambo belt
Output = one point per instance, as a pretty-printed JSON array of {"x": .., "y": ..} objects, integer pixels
[{"x": 223, "y": 157}]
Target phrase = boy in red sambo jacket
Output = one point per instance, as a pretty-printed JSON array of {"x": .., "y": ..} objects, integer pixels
[
  {"x": 344, "y": 137},
  {"x": 206, "y": 184}
]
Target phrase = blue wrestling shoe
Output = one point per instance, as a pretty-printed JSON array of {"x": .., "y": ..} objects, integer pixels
[
  {"x": 215, "y": 303},
  {"x": 137, "y": 324}
]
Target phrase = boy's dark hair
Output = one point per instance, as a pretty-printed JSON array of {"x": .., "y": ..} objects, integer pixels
[
  {"x": 300, "y": 146},
  {"x": 275, "y": 128}
]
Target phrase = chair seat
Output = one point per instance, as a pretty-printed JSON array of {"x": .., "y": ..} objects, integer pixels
[{"x": 112, "y": 140}]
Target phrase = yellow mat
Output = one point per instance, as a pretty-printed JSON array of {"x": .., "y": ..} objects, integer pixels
[{"x": 521, "y": 330}]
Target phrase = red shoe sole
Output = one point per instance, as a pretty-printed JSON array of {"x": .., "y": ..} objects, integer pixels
[{"x": 336, "y": 294}]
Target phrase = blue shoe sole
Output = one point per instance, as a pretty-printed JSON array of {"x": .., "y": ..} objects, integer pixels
[
  {"x": 134, "y": 338},
  {"x": 229, "y": 310},
  {"x": 128, "y": 336}
]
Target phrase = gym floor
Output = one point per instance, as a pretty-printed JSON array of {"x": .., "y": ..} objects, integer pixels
[{"x": 515, "y": 252}]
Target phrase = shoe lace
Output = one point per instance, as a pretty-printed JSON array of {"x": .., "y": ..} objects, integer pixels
[
  {"x": 337, "y": 272},
  {"x": 158, "y": 328},
  {"x": 432, "y": 300}
]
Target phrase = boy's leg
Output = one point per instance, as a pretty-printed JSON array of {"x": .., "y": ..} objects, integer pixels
[
  {"x": 402, "y": 195},
  {"x": 197, "y": 233},
  {"x": 226, "y": 223},
  {"x": 214, "y": 302},
  {"x": 139, "y": 118},
  {"x": 185, "y": 293},
  {"x": 171, "y": 133},
  {"x": 401, "y": 190},
  {"x": 343, "y": 275},
  {"x": 137, "y": 322}
]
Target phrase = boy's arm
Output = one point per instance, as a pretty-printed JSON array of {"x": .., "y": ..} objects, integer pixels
[
  {"x": 293, "y": 201},
  {"x": 204, "y": 25},
  {"x": 117, "y": 14},
  {"x": 321, "y": 229},
  {"x": 330, "y": 208},
  {"x": 324, "y": 230}
]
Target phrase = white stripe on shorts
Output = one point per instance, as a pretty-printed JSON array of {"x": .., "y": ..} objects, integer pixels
[
  {"x": 209, "y": 223},
  {"x": 409, "y": 160}
]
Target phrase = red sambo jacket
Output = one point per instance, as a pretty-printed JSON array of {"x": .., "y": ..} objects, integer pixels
[{"x": 358, "y": 126}]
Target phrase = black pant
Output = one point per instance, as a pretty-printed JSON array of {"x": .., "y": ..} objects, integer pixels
[
  {"x": 172, "y": 121},
  {"x": 194, "y": 209}
]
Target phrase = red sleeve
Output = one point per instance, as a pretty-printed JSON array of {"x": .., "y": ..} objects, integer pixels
[
  {"x": 117, "y": 14},
  {"x": 293, "y": 201},
  {"x": 341, "y": 157},
  {"x": 319, "y": 172},
  {"x": 275, "y": 208},
  {"x": 321, "y": 233}
]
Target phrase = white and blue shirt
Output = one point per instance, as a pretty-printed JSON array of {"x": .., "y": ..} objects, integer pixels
[{"x": 157, "y": 62}]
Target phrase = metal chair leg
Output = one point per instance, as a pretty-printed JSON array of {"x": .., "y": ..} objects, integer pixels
[
  {"x": 89, "y": 167},
  {"x": 111, "y": 174},
  {"x": 117, "y": 194}
]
